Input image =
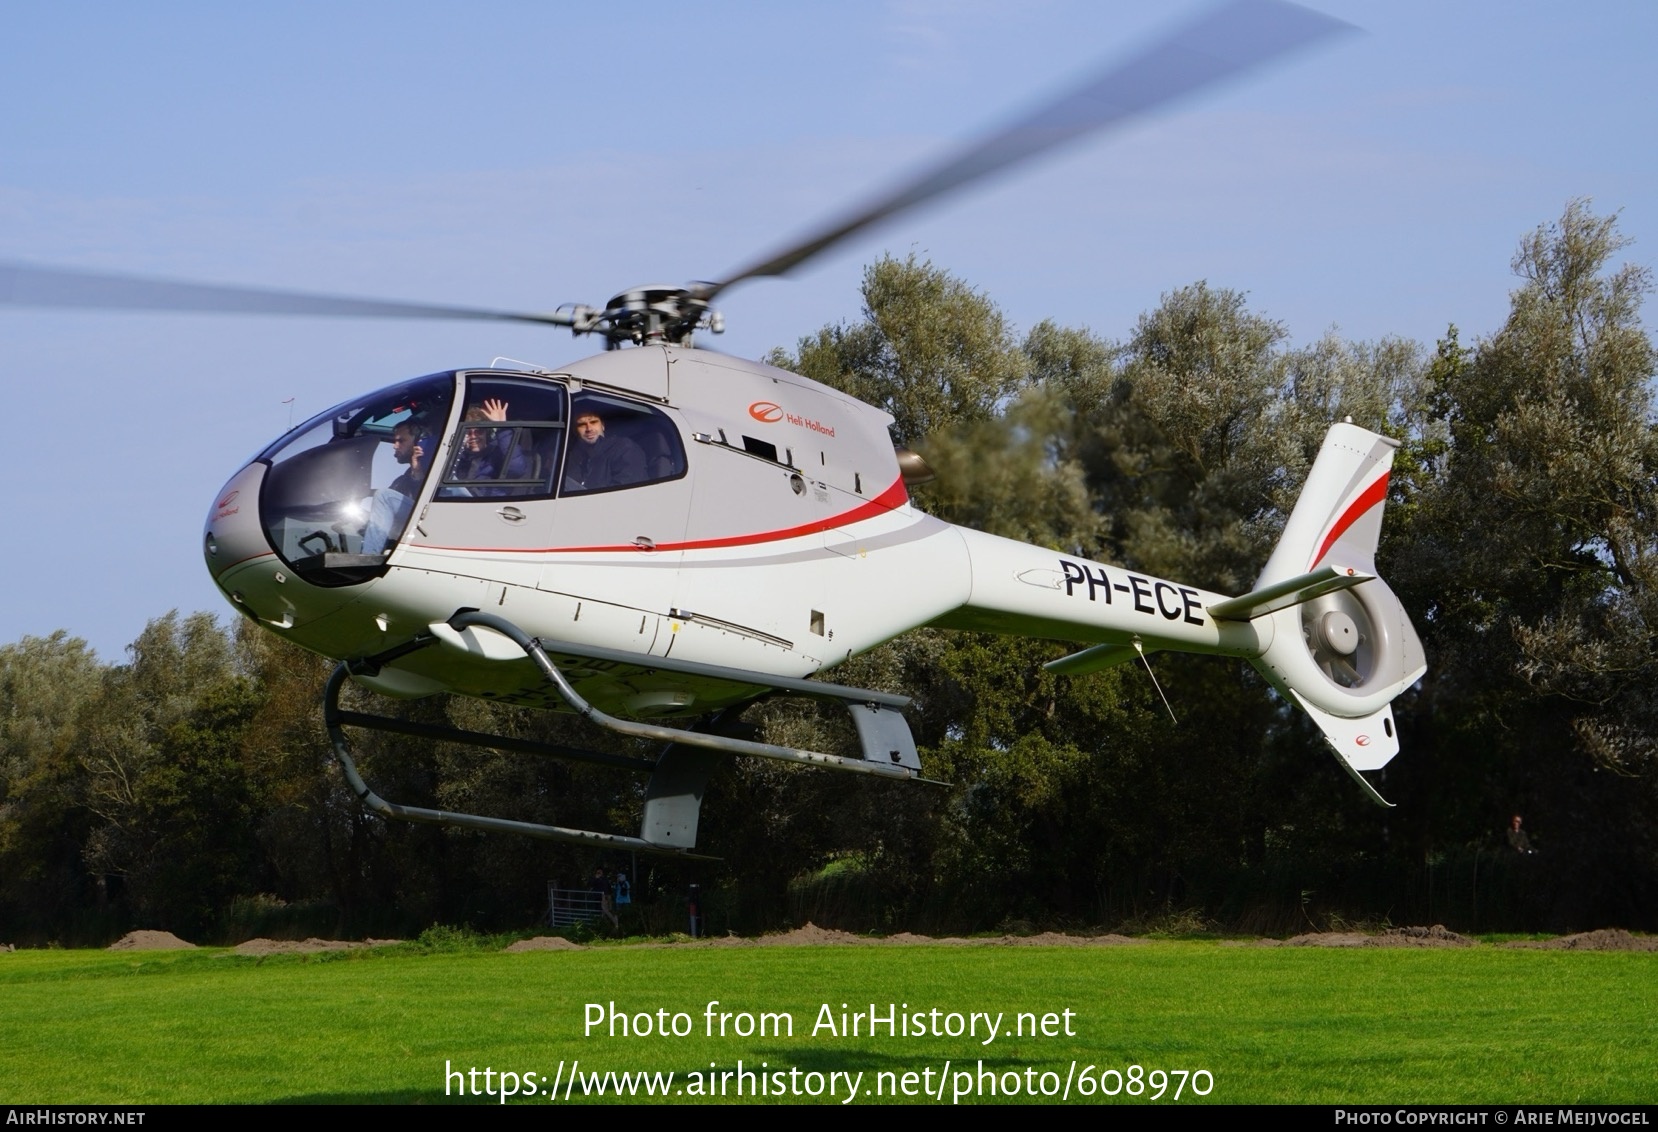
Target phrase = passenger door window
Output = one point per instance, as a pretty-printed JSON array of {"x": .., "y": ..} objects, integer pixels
[
  {"x": 618, "y": 444},
  {"x": 507, "y": 443}
]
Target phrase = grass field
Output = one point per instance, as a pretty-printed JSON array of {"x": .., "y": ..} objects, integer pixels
[{"x": 1293, "y": 1025}]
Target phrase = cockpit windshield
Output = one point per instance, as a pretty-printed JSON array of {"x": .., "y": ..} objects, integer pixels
[{"x": 341, "y": 487}]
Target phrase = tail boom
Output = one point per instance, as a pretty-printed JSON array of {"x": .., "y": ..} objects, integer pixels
[
  {"x": 1030, "y": 591},
  {"x": 1319, "y": 625}
]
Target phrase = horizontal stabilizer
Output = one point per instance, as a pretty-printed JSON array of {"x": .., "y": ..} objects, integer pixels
[
  {"x": 1096, "y": 659},
  {"x": 1291, "y": 591},
  {"x": 1366, "y": 743}
]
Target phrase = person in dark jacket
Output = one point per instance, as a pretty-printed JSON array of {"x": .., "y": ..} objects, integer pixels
[{"x": 598, "y": 461}]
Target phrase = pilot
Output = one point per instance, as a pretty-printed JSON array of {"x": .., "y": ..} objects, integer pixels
[
  {"x": 598, "y": 461},
  {"x": 388, "y": 507}
]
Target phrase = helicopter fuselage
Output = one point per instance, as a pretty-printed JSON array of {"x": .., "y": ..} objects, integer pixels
[{"x": 765, "y": 525}]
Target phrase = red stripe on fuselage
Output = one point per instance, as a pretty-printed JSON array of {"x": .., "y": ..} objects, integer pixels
[
  {"x": 891, "y": 499},
  {"x": 1372, "y": 495}
]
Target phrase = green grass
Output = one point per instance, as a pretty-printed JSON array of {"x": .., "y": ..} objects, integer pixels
[{"x": 1289, "y": 1025}]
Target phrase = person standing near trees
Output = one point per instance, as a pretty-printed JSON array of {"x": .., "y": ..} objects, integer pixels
[{"x": 600, "y": 885}]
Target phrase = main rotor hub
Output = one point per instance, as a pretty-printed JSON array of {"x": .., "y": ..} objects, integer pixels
[{"x": 654, "y": 312}]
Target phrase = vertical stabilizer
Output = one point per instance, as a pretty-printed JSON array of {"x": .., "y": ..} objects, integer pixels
[
  {"x": 1344, "y": 655},
  {"x": 1338, "y": 517}
]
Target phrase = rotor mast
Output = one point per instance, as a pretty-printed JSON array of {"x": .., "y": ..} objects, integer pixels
[{"x": 652, "y": 313}]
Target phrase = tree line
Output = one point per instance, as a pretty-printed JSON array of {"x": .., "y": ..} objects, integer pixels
[{"x": 190, "y": 788}]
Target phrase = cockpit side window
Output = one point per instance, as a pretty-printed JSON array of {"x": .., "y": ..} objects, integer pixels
[
  {"x": 618, "y": 444},
  {"x": 507, "y": 443}
]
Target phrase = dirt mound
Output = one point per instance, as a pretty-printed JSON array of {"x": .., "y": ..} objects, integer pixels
[
  {"x": 1060, "y": 939},
  {"x": 810, "y": 935},
  {"x": 680, "y": 940},
  {"x": 1321, "y": 939},
  {"x": 1604, "y": 939},
  {"x": 546, "y": 943},
  {"x": 1048, "y": 940},
  {"x": 305, "y": 946},
  {"x": 1437, "y": 936},
  {"x": 150, "y": 941}
]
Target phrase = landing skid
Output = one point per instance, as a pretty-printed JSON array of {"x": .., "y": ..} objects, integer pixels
[{"x": 679, "y": 776}]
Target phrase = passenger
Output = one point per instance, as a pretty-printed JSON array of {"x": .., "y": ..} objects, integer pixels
[
  {"x": 597, "y": 461},
  {"x": 484, "y": 452}
]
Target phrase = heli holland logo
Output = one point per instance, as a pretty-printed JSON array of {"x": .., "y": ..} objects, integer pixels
[
  {"x": 1363, "y": 740},
  {"x": 226, "y": 507},
  {"x": 770, "y": 412}
]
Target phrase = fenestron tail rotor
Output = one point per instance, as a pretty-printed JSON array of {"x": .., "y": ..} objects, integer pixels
[{"x": 1341, "y": 638}]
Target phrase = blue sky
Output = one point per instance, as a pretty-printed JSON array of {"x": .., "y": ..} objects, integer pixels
[{"x": 526, "y": 155}]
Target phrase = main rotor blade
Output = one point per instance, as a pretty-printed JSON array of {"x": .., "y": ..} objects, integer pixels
[
  {"x": 1219, "y": 45},
  {"x": 24, "y": 285}
]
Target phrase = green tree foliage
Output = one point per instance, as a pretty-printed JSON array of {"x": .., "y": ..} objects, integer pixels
[
  {"x": 49, "y": 688},
  {"x": 930, "y": 350},
  {"x": 1196, "y": 437},
  {"x": 1201, "y": 377},
  {"x": 1578, "y": 467},
  {"x": 165, "y": 776},
  {"x": 1204, "y": 439},
  {"x": 1531, "y": 551}
]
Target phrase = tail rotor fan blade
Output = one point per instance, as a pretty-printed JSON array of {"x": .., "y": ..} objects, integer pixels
[{"x": 1341, "y": 670}]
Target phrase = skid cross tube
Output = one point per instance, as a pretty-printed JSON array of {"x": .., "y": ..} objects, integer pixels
[
  {"x": 532, "y": 647},
  {"x": 493, "y": 742},
  {"x": 334, "y": 713},
  {"x": 334, "y": 717}
]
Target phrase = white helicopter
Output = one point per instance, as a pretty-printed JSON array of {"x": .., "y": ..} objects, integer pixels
[{"x": 665, "y": 533}]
